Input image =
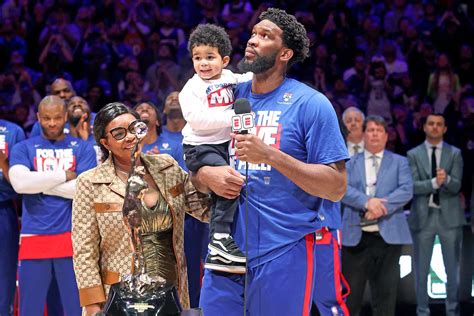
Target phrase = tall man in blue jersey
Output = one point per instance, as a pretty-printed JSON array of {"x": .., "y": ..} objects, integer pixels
[
  {"x": 10, "y": 134},
  {"x": 43, "y": 169},
  {"x": 296, "y": 159}
]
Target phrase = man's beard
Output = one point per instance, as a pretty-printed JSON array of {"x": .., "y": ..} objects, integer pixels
[{"x": 259, "y": 64}]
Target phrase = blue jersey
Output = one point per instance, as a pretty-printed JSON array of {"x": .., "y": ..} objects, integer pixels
[
  {"x": 49, "y": 214},
  {"x": 36, "y": 130},
  {"x": 10, "y": 134},
  {"x": 302, "y": 123},
  {"x": 169, "y": 143}
]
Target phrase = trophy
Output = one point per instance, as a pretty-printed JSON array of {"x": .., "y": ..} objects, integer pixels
[{"x": 139, "y": 293}]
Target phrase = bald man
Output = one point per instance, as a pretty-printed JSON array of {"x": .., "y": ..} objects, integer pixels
[
  {"x": 64, "y": 90},
  {"x": 44, "y": 168}
]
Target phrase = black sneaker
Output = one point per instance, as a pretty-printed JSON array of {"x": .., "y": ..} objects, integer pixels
[
  {"x": 227, "y": 248},
  {"x": 217, "y": 263}
]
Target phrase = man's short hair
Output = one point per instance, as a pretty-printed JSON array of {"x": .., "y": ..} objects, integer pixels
[
  {"x": 377, "y": 119},
  {"x": 294, "y": 33},
  {"x": 434, "y": 114},
  {"x": 352, "y": 109},
  {"x": 210, "y": 35}
]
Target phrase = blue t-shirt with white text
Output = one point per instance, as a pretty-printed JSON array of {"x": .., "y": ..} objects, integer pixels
[
  {"x": 10, "y": 134},
  {"x": 49, "y": 214},
  {"x": 302, "y": 123}
]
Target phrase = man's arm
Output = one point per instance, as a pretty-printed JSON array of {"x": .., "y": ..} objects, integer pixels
[
  {"x": 420, "y": 186},
  {"x": 325, "y": 181},
  {"x": 25, "y": 181},
  {"x": 403, "y": 193},
  {"x": 453, "y": 185}
]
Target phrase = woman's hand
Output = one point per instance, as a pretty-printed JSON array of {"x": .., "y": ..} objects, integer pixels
[{"x": 92, "y": 309}]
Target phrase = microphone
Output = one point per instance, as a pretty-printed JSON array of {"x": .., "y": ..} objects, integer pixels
[{"x": 242, "y": 121}]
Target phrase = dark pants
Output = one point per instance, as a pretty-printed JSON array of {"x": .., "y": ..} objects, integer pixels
[
  {"x": 222, "y": 209},
  {"x": 376, "y": 261}
]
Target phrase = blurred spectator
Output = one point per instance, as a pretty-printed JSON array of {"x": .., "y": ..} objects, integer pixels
[
  {"x": 319, "y": 79},
  {"x": 133, "y": 89},
  {"x": 9, "y": 42},
  {"x": 57, "y": 50},
  {"x": 63, "y": 89},
  {"x": 148, "y": 12},
  {"x": 401, "y": 129},
  {"x": 356, "y": 76},
  {"x": 96, "y": 97},
  {"x": 58, "y": 25},
  {"x": 238, "y": 11},
  {"x": 422, "y": 61},
  {"x": 378, "y": 90},
  {"x": 164, "y": 75},
  {"x": 210, "y": 12},
  {"x": 395, "y": 67},
  {"x": 466, "y": 66},
  {"x": 391, "y": 18},
  {"x": 169, "y": 33},
  {"x": 448, "y": 36},
  {"x": 429, "y": 21},
  {"x": 443, "y": 84}
]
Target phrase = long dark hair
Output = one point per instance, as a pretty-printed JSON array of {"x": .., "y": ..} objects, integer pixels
[{"x": 104, "y": 117}]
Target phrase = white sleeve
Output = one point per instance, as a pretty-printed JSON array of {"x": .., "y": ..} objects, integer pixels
[
  {"x": 25, "y": 181},
  {"x": 198, "y": 115},
  {"x": 65, "y": 190},
  {"x": 243, "y": 77}
]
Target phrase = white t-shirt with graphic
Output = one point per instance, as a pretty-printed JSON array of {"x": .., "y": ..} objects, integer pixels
[{"x": 207, "y": 108}]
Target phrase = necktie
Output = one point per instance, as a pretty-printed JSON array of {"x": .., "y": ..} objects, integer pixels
[
  {"x": 356, "y": 149},
  {"x": 433, "y": 174},
  {"x": 375, "y": 163}
]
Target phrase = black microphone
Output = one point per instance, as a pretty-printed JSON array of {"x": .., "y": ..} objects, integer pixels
[{"x": 242, "y": 121}]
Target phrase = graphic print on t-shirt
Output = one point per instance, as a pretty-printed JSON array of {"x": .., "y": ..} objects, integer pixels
[
  {"x": 4, "y": 144},
  {"x": 220, "y": 95},
  {"x": 54, "y": 159}
]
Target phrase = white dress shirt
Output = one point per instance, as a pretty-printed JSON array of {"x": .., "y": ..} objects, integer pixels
[
  {"x": 351, "y": 147},
  {"x": 371, "y": 180}
]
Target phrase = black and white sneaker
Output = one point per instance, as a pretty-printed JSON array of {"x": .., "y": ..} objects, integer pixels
[
  {"x": 217, "y": 263},
  {"x": 227, "y": 248}
]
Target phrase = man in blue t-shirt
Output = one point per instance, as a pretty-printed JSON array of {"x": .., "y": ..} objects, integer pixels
[
  {"x": 44, "y": 169},
  {"x": 296, "y": 160},
  {"x": 10, "y": 134}
]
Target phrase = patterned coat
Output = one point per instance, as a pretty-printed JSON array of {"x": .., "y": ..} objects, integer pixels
[{"x": 101, "y": 243}]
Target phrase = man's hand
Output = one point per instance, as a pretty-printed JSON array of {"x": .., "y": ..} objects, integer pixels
[
  {"x": 250, "y": 148},
  {"x": 375, "y": 208},
  {"x": 440, "y": 176},
  {"x": 223, "y": 181},
  {"x": 83, "y": 129},
  {"x": 70, "y": 175}
]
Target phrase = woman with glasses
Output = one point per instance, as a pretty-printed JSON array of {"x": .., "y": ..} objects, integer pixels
[{"x": 102, "y": 252}]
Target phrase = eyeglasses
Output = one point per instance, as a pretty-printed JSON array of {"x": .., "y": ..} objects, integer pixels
[{"x": 119, "y": 133}]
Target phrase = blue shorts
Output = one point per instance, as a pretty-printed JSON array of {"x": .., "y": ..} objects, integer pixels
[
  {"x": 282, "y": 286},
  {"x": 330, "y": 287}
]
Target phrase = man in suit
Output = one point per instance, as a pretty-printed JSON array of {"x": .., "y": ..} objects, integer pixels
[
  {"x": 436, "y": 210},
  {"x": 374, "y": 225},
  {"x": 353, "y": 119}
]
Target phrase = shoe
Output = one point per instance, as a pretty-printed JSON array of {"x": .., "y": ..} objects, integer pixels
[
  {"x": 217, "y": 263},
  {"x": 227, "y": 248}
]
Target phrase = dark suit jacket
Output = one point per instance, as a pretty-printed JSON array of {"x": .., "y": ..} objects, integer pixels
[{"x": 451, "y": 161}]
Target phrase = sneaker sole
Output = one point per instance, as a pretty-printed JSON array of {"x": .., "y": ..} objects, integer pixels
[
  {"x": 226, "y": 255},
  {"x": 228, "y": 269}
]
